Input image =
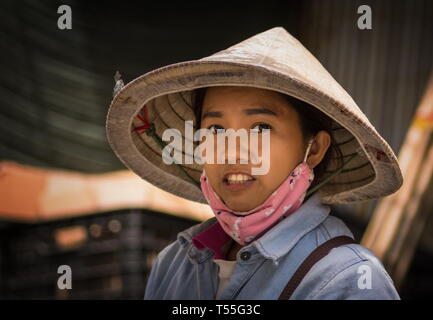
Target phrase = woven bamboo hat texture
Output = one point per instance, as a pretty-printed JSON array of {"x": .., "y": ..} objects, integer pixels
[{"x": 272, "y": 60}]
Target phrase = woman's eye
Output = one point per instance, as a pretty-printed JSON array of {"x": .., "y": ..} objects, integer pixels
[
  {"x": 259, "y": 127},
  {"x": 215, "y": 129}
]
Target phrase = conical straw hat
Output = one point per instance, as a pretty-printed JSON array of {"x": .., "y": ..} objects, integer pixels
[{"x": 272, "y": 60}]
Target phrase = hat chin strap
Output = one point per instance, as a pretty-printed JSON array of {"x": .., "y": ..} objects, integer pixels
[
  {"x": 308, "y": 149},
  {"x": 321, "y": 184}
]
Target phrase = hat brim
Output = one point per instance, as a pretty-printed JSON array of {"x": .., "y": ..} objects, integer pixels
[{"x": 168, "y": 93}]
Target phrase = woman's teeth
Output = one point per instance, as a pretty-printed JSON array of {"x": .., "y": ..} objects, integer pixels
[{"x": 238, "y": 178}]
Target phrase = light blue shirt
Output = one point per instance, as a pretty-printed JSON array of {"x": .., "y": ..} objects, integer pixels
[{"x": 181, "y": 271}]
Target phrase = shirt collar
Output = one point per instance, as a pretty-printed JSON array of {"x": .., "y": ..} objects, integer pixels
[
  {"x": 214, "y": 238},
  {"x": 274, "y": 244}
]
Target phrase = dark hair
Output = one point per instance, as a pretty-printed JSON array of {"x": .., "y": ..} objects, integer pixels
[{"x": 312, "y": 120}]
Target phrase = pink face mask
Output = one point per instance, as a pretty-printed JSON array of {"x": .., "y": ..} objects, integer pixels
[{"x": 247, "y": 226}]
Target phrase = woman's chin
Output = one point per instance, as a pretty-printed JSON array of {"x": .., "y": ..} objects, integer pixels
[
  {"x": 242, "y": 201},
  {"x": 241, "y": 206}
]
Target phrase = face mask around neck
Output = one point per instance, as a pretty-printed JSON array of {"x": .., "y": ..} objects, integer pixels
[{"x": 247, "y": 226}]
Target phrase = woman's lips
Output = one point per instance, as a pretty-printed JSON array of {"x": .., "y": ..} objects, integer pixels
[{"x": 237, "y": 186}]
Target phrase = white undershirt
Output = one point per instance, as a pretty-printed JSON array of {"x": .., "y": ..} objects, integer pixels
[{"x": 226, "y": 269}]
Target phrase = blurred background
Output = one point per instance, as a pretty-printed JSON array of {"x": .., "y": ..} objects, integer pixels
[{"x": 65, "y": 199}]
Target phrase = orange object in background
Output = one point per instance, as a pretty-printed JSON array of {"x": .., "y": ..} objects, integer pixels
[{"x": 34, "y": 194}]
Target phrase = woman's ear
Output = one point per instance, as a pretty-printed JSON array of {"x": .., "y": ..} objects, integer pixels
[{"x": 318, "y": 149}]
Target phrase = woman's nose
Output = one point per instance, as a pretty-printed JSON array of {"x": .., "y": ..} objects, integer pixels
[{"x": 235, "y": 148}]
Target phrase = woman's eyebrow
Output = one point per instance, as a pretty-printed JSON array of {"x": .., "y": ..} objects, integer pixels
[
  {"x": 211, "y": 114},
  {"x": 251, "y": 111},
  {"x": 260, "y": 111}
]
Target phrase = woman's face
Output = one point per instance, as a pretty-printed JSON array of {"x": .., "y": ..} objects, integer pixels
[{"x": 236, "y": 107}]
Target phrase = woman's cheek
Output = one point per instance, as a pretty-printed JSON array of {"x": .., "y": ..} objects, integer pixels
[
  {"x": 212, "y": 173},
  {"x": 278, "y": 154},
  {"x": 282, "y": 159}
]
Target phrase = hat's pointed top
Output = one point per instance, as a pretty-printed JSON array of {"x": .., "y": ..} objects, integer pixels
[
  {"x": 260, "y": 44},
  {"x": 277, "y": 50}
]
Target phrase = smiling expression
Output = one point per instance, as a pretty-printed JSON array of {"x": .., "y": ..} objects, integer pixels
[{"x": 252, "y": 108}]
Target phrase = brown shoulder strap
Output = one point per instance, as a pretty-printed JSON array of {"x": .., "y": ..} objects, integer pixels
[{"x": 312, "y": 258}]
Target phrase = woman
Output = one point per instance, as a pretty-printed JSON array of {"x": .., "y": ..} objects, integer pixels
[{"x": 271, "y": 228}]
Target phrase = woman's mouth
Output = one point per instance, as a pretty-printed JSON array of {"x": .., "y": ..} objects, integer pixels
[{"x": 237, "y": 181}]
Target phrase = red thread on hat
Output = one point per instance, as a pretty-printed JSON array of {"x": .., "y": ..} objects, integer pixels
[
  {"x": 146, "y": 125},
  {"x": 378, "y": 154}
]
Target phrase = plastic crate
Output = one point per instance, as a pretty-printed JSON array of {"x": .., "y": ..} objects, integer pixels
[{"x": 110, "y": 254}]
